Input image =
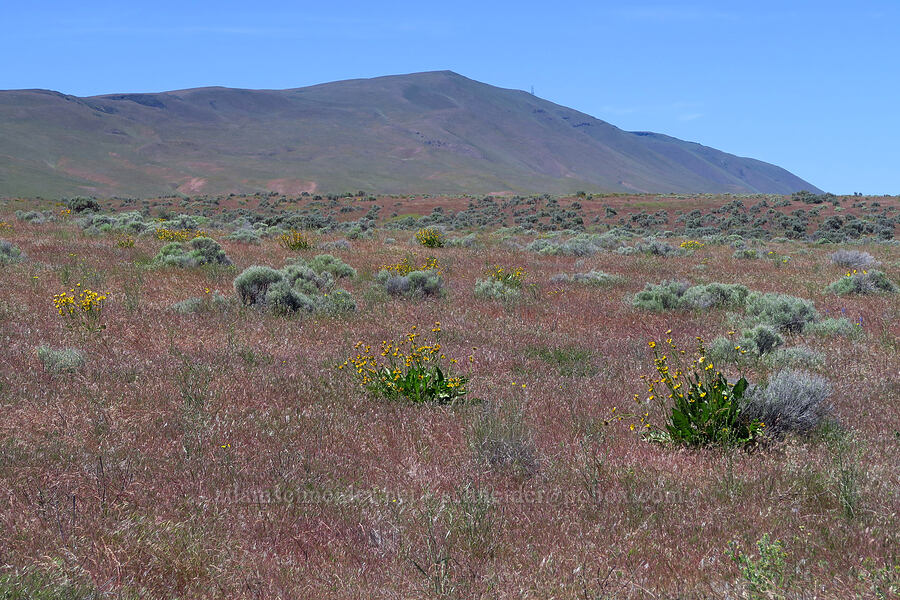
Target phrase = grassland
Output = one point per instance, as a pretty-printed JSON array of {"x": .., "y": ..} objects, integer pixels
[{"x": 221, "y": 452}]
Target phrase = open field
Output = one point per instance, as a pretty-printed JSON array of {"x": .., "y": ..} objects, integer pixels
[{"x": 220, "y": 451}]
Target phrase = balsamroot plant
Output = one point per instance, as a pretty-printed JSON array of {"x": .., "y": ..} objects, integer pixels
[
  {"x": 792, "y": 402},
  {"x": 410, "y": 369},
  {"x": 701, "y": 407}
]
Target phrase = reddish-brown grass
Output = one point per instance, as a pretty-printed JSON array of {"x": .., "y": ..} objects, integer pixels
[{"x": 222, "y": 455}]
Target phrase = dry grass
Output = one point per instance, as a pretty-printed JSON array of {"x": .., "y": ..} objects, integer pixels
[{"x": 222, "y": 454}]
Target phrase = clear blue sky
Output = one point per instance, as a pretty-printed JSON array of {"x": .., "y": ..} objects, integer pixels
[{"x": 810, "y": 86}]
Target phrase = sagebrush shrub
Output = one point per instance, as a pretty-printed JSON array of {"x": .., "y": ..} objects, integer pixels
[
  {"x": 244, "y": 235},
  {"x": 834, "y": 327},
  {"x": 66, "y": 360},
  {"x": 300, "y": 286},
  {"x": 209, "y": 302},
  {"x": 791, "y": 402},
  {"x": 747, "y": 254},
  {"x": 594, "y": 278},
  {"x": 327, "y": 263},
  {"x": 781, "y": 311},
  {"x": 852, "y": 259},
  {"x": 197, "y": 252},
  {"x": 863, "y": 282},
  {"x": 493, "y": 289},
  {"x": 663, "y": 296},
  {"x": 414, "y": 285},
  {"x": 252, "y": 285},
  {"x": 714, "y": 295},
  {"x": 10, "y": 253}
]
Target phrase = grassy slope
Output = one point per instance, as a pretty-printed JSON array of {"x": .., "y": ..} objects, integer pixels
[{"x": 436, "y": 132}]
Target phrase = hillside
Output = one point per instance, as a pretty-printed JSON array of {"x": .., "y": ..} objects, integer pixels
[{"x": 434, "y": 132}]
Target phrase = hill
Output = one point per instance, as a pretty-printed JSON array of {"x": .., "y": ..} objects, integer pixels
[{"x": 436, "y": 132}]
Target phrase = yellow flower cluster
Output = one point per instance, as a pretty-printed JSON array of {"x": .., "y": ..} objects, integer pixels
[
  {"x": 125, "y": 242},
  {"x": 66, "y": 212},
  {"x": 430, "y": 237},
  {"x": 510, "y": 276},
  {"x": 692, "y": 245},
  {"x": 854, "y": 272},
  {"x": 397, "y": 367},
  {"x": 177, "y": 235},
  {"x": 405, "y": 266},
  {"x": 5, "y": 225},
  {"x": 83, "y": 300},
  {"x": 296, "y": 240}
]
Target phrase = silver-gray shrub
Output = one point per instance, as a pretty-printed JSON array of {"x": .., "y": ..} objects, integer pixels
[
  {"x": 197, "y": 252},
  {"x": 244, "y": 235},
  {"x": 336, "y": 245},
  {"x": 210, "y": 302},
  {"x": 252, "y": 285},
  {"x": 298, "y": 287},
  {"x": 754, "y": 343},
  {"x": 663, "y": 296},
  {"x": 852, "y": 259},
  {"x": 327, "y": 263},
  {"x": 594, "y": 278},
  {"x": 865, "y": 282},
  {"x": 747, "y": 254},
  {"x": 10, "y": 253},
  {"x": 415, "y": 285},
  {"x": 795, "y": 356},
  {"x": 791, "y": 402},
  {"x": 66, "y": 360},
  {"x": 781, "y": 311},
  {"x": 841, "y": 326},
  {"x": 673, "y": 295},
  {"x": 714, "y": 295},
  {"x": 493, "y": 289}
]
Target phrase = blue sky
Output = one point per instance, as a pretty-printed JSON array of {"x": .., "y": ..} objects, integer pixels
[{"x": 813, "y": 87}]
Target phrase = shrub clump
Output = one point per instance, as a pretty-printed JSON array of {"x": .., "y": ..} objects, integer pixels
[
  {"x": 413, "y": 285},
  {"x": 781, "y": 311},
  {"x": 852, "y": 259},
  {"x": 747, "y": 254},
  {"x": 66, "y": 360},
  {"x": 430, "y": 237},
  {"x": 299, "y": 286},
  {"x": 594, "y": 278},
  {"x": 10, "y": 253},
  {"x": 244, "y": 235},
  {"x": 841, "y": 326},
  {"x": 863, "y": 282},
  {"x": 197, "y": 252},
  {"x": 210, "y": 302},
  {"x": 792, "y": 402},
  {"x": 754, "y": 342},
  {"x": 673, "y": 295},
  {"x": 502, "y": 284}
]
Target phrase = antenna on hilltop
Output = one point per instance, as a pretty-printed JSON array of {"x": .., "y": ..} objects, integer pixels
[{"x": 532, "y": 90}]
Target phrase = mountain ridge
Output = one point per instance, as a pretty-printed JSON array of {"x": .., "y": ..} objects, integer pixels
[{"x": 430, "y": 132}]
